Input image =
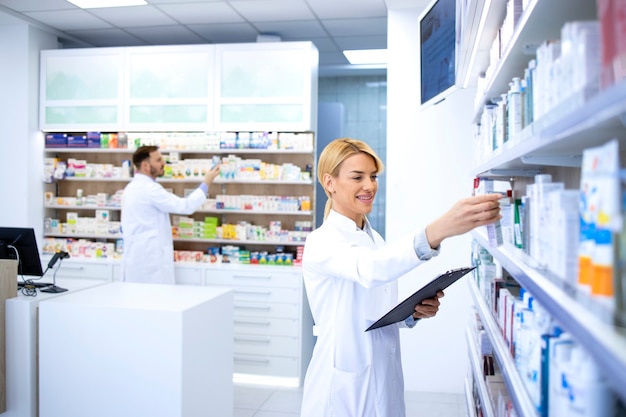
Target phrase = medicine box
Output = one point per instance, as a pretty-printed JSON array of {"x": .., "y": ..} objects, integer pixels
[
  {"x": 78, "y": 141},
  {"x": 93, "y": 139},
  {"x": 56, "y": 140}
]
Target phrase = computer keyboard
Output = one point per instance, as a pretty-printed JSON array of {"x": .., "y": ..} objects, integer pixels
[{"x": 35, "y": 284}]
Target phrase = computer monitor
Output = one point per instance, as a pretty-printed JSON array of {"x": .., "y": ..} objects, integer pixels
[{"x": 16, "y": 241}]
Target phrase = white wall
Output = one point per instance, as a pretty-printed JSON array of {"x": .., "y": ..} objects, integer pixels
[
  {"x": 428, "y": 169},
  {"x": 21, "y": 142}
]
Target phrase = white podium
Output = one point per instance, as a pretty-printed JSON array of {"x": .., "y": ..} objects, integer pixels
[
  {"x": 128, "y": 349},
  {"x": 21, "y": 345}
]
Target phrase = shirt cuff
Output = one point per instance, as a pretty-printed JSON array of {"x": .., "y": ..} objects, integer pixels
[
  {"x": 204, "y": 188},
  {"x": 410, "y": 321},
  {"x": 422, "y": 247}
]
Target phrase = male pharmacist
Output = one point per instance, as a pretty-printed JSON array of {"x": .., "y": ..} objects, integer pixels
[{"x": 146, "y": 227}]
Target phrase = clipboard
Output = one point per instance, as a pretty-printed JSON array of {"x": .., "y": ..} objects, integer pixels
[{"x": 407, "y": 307}]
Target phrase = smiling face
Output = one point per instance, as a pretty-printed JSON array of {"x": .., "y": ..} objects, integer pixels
[{"x": 354, "y": 188}]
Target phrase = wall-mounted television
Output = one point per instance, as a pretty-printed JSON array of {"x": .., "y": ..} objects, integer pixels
[
  {"x": 20, "y": 244},
  {"x": 438, "y": 50}
]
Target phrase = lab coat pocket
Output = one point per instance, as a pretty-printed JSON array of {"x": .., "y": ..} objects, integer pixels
[{"x": 349, "y": 396}]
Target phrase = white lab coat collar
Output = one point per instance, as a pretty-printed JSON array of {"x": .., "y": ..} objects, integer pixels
[{"x": 347, "y": 224}]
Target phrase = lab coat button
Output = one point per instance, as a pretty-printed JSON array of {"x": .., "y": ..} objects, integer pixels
[{"x": 387, "y": 290}]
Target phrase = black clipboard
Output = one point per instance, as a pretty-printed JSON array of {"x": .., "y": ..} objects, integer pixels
[{"x": 407, "y": 307}]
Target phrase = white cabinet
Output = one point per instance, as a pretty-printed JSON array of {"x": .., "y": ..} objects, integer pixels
[
  {"x": 169, "y": 88},
  {"x": 552, "y": 144},
  {"x": 81, "y": 89},
  {"x": 273, "y": 327},
  {"x": 263, "y": 85},
  {"x": 80, "y": 268},
  {"x": 198, "y": 88}
]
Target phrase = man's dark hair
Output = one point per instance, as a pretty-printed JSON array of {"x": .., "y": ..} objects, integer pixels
[{"x": 142, "y": 153}]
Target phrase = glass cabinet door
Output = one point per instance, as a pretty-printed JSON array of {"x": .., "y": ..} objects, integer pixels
[
  {"x": 81, "y": 90},
  {"x": 169, "y": 88},
  {"x": 265, "y": 86}
]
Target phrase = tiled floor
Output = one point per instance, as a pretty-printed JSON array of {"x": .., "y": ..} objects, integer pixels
[{"x": 255, "y": 401}]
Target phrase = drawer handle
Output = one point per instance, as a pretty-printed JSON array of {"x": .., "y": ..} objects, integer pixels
[
  {"x": 74, "y": 267},
  {"x": 262, "y": 341},
  {"x": 254, "y": 323},
  {"x": 259, "y": 308},
  {"x": 252, "y": 292},
  {"x": 257, "y": 361},
  {"x": 252, "y": 276}
]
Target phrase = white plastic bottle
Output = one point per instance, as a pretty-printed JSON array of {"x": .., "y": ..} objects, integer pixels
[{"x": 514, "y": 110}]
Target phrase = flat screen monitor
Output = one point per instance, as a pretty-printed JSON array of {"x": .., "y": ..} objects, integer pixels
[
  {"x": 438, "y": 50},
  {"x": 20, "y": 244}
]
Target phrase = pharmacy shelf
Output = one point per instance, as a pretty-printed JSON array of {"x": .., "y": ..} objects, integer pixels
[
  {"x": 192, "y": 180},
  {"x": 83, "y": 235},
  {"x": 217, "y": 211},
  {"x": 264, "y": 212},
  {"x": 540, "y": 20},
  {"x": 90, "y": 150},
  {"x": 566, "y": 132},
  {"x": 469, "y": 397},
  {"x": 240, "y": 242},
  {"x": 179, "y": 239},
  {"x": 185, "y": 151},
  {"x": 98, "y": 179},
  {"x": 479, "y": 28},
  {"x": 605, "y": 342},
  {"x": 278, "y": 182},
  {"x": 85, "y": 207},
  {"x": 479, "y": 378},
  {"x": 517, "y": 391}
]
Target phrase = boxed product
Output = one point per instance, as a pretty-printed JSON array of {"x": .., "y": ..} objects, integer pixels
[
  {"x": 56, "y": 140},
  {"x": 93, "y": 139},
  {"x": 77, "y": 141}
]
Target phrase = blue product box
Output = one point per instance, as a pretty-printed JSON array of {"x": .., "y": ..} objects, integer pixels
[
  {"x": 93, "y": 139},
  {"x": 56, "y": 140},
  {"x": 79, "y": 141}
]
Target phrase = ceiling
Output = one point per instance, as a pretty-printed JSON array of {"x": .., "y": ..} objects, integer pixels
[{"x": 332, "y": 25}]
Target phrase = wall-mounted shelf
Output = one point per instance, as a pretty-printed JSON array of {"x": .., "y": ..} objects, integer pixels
[
  {"x": 567, "y": 134},
  {"x": 477, "y": 371},
  {"x": 541, "y": 20},
  {"x": 517, "y": 391},
  {"x": 605, "y": 342}
]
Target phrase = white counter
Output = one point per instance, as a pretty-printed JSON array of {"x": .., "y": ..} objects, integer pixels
[
  {"x": 125, "y": 349},
  {"x": 21, "y": 346}
]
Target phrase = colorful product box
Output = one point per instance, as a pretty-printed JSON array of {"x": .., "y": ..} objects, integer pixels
[
  {"x": 56, "y": 140},
  {"x": 78, "y": 141},
  {"x": 93, "y": 139}
]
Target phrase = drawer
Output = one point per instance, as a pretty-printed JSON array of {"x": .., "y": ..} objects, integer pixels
[
  {"x": 265, "y": 294},
  {"x": 87, "y": 270},
  {"x": 264, "y": 310},
  {"x": 266, "y": 365},
  {"x": 189, "y": 275},
  {"x": 265, "y": 345},
  {"x": 266, "y": 326},
  {"x": 258, "y": 278}
]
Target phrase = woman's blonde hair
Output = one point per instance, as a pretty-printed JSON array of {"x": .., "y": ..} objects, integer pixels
[{"x": 332, "y": 157}]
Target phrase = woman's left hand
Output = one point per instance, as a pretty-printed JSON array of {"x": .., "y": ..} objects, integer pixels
[{"x": 428, "y": 308}]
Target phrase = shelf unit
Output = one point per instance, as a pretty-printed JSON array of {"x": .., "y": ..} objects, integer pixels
[
  {"x": 552, "y": 144},
  {"x": 297, "y": 188},
  {"x": 477, "y": 372},
  {"x": 541, "y": 20},
  {"x": 605, "y": 342},
  {"x": 517, "y": 391}
]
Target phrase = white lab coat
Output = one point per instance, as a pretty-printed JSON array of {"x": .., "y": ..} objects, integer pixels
[
  {"x": 147, "y": 229},
  {"x": 350, "y": 279}
]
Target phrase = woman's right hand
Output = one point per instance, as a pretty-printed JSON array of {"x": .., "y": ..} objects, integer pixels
[{"x": 465, "y": 215}]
